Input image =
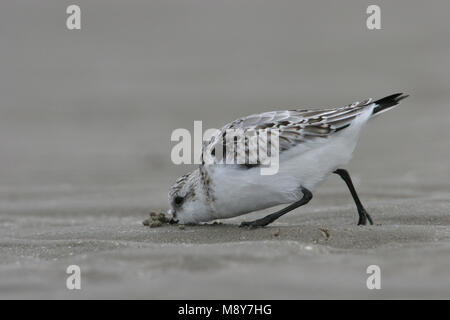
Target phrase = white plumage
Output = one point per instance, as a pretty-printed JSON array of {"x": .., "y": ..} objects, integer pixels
[{"x": 313, "y": 143}]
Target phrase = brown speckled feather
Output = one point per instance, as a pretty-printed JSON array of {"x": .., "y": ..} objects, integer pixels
[{"x": 295, "y": 127}]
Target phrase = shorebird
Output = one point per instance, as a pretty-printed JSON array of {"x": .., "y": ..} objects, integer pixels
[{"x": 312, "y": 145}]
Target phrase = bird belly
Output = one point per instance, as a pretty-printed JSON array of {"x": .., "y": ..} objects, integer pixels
[{"x": 239, "y": 191}]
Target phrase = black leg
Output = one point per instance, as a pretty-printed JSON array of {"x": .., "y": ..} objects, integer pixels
[
  {"x": 307, "y": 195},
  {"x": 363, "y": 215}
]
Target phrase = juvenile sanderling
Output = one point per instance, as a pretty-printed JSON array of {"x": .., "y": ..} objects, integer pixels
[{"x": 312, "y": 145}]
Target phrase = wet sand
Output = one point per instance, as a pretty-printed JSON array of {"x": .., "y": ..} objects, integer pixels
[
  {"x": 316, "y": 252},
  {"x": 85, "y": 149}
]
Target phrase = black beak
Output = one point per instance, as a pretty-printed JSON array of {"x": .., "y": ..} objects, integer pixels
[{"x": 173, "y": 221}]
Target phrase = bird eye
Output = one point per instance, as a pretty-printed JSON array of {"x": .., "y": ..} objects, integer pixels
[{"x": 178, "y": 200}]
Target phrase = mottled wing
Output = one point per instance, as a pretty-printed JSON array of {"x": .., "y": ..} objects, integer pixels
[{"x": 294, "y": 126}]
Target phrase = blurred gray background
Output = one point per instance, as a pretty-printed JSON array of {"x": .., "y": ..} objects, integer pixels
[{"x": 86, "y": 118}]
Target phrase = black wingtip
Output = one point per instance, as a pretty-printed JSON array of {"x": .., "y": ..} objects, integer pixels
[{"x": 388, "y": 102}]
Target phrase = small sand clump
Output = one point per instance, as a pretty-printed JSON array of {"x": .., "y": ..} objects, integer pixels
[{"x": 157, "y": 219}]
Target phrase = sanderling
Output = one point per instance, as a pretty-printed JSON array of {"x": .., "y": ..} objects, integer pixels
[{"x": 312, "y": 145}]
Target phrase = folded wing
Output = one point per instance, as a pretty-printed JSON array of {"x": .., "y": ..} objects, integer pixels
[{"x": 299, "y": 126}]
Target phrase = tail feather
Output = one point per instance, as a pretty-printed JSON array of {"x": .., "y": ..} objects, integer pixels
[{"x": 388, "y": 102}]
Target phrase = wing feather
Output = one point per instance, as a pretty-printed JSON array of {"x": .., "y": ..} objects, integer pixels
[{"x": 295, "y": 127}]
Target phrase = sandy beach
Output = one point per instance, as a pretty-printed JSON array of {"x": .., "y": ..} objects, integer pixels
[{"x": 85, "y": 124}]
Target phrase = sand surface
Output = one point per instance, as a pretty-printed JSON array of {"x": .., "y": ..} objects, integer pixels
[
  {"x": 85, "y": 124},
  {"x": 316, "y": 252}
]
